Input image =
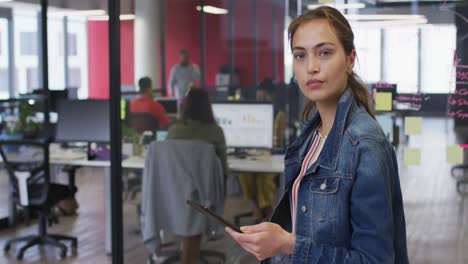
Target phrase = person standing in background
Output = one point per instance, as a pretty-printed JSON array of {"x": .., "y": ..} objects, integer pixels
[{"x": 183, "y": 76}]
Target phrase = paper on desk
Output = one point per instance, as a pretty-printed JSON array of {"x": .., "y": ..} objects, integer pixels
[
  {"x": 454, "y": 154},
  {"x": 412, "y": 156},
  {"x": 383, "y": 101},
  {"x": 413, "y": 125}
]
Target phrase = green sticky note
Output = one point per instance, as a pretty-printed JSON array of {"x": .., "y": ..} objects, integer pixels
[
  {"x": 122, "y": 109},
  {"x": 413, "y": 125},
  {"x": 412, "y": 156},
  {"x": 383, "y": 101},
  {"x": 454, "y": 154}
]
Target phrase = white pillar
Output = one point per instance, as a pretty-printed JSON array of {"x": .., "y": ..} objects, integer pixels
[{"x": 146, "y": 41}]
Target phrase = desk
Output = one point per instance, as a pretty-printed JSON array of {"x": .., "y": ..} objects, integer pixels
[{"x": 263, "y": 163}]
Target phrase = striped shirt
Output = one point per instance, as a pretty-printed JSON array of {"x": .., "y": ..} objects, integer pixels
[{"x": 312, "y": 155}]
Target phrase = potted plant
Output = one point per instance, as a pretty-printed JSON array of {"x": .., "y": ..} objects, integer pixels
[
  {"x": 20, "y": 123},
  {"x": 131, "y": 141}
]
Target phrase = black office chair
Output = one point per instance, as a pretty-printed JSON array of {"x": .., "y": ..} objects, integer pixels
[
  {"x": 30, "y": 189},
  {"x": 143, "y": 122},
  {"x": 140, "y": 122},
  {"x": 461, "y": 178}
]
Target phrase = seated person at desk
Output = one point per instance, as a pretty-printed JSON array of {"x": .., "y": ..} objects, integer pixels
[
  {"x": 146, "y": 104},
  {"x": 198, "y": 122},
  {"x": 260, "y": 187}
]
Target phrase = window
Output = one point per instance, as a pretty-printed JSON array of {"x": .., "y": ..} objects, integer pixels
[
  {"x": 31, "y": 79},
  {"x": 28, "y": 42},
  {"x": 72, "y": 51},
  {"x": 438, "y": 44},
  {"x": 72, "y": 44},
  {"x": 4, "y": 76},
  {"x": 367, "y": 42},
  {"x": 74, "y": 77},
  {"x": 401, "y": 58}
]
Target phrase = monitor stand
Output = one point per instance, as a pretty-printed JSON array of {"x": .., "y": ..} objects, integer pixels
[{"x": 240, "y": 153}]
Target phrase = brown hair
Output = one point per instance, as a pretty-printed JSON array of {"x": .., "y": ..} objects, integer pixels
[
  {"x": 198, "y": 107},
  {"x": 345, "y": 35}
]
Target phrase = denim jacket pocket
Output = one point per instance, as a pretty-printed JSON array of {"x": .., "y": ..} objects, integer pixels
[{"x": 323, "y": 200}]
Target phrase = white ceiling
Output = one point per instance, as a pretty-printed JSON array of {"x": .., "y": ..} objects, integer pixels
[{"x": 126, "y": 6}]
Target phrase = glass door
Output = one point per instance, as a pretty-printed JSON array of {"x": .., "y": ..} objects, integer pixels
[{"x": 6, "y": 86}]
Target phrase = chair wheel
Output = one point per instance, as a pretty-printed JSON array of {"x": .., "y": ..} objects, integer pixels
[
  {"x": 74, "y": 251},
  {"x": 74, "y": 243},
  {"x": 150, "y": 259},
  {"x": 19, "y": 256},
  {"x": 63, "y": 254},
  {"x": 6, "y": 248}
]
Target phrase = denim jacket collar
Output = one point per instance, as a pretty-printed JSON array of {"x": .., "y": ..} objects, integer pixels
[{"x": 329, "y": 156}]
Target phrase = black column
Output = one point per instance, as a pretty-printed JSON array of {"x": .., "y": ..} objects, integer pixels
[
  {"x": 202, "y": 45},
  {"x": 162, "y": 45},
  {"x": 45, "y": 68},
  {"x": 115, "y": 133},
  {"x": 231, "y": 45}
]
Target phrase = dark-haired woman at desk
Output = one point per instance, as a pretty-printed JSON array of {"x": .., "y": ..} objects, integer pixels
[
  {"x": 198, "y": 123},
  {"x": 342, "y": 201}
]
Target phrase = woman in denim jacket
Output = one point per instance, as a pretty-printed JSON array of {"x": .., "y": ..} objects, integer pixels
[{"x": 342, "y": 201}]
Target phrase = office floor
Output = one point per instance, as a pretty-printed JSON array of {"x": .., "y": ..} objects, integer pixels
[{"x": 436, "y": 216}]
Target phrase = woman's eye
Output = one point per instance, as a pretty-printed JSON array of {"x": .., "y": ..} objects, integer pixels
[
  {"x": 325, "y": 53},
  {"x": 299, "y": 56}
]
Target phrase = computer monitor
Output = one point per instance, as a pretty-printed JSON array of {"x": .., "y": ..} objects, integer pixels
[
  {"x": 245, "y": 125},
  {"x": 83, "y": 121},
  {"x": 55, "y": 96},
  {"x": 169, "y": 104}
]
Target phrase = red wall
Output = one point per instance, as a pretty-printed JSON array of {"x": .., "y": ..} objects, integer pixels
[
  {"x": 183, "y": 32},
  {"x": 98, "y": 57}
]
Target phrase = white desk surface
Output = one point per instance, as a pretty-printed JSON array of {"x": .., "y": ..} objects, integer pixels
[{"x": 262, "y": 163}]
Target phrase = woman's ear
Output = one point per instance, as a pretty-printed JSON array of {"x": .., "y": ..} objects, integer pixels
[{"x": 351, "y": 59}]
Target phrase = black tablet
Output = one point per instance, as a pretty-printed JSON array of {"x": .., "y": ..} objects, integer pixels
[{"x": 207, "y": 211}]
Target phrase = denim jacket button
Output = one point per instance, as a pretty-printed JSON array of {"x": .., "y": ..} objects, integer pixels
[
  {"x": 304, "y": 209},
  {"x": 323, "y": 186}
]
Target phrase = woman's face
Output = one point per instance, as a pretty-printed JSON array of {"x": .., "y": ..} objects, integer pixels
[{"x": 319, "y": 62}]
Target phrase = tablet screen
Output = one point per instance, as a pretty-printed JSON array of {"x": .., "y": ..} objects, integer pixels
[{"x": 207, "y": 211}]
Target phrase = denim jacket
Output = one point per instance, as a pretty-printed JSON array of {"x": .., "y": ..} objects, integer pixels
[{"x": 350, "y": 207}]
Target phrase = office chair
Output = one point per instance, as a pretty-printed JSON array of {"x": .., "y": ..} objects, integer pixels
[
  {"x": 140, "y": 122},
  {"x": 143, "y": 122},
  {"x": 462, "y": 178},
  {"x": 176, "y": 171},
  {"x": 30, "y": 188}
]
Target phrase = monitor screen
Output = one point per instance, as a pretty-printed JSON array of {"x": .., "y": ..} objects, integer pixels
[
  {"x": 169, "y": 104},
  {"x": 83, "y": 121},
  {"x": 245, "y": 125}
]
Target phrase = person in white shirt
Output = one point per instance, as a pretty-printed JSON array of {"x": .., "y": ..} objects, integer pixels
[{"x": 183, "y": 76}]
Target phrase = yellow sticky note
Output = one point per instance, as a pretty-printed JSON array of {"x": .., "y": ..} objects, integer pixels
[
  {"x": 412, "y": 156},
  {"x": 383, "y": 101},
  {"x": 413, "y": 125},
  {"x": 454, "y": 154}
]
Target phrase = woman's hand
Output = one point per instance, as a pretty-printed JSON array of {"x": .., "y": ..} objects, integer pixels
[{"x": 264, "y": 240}]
